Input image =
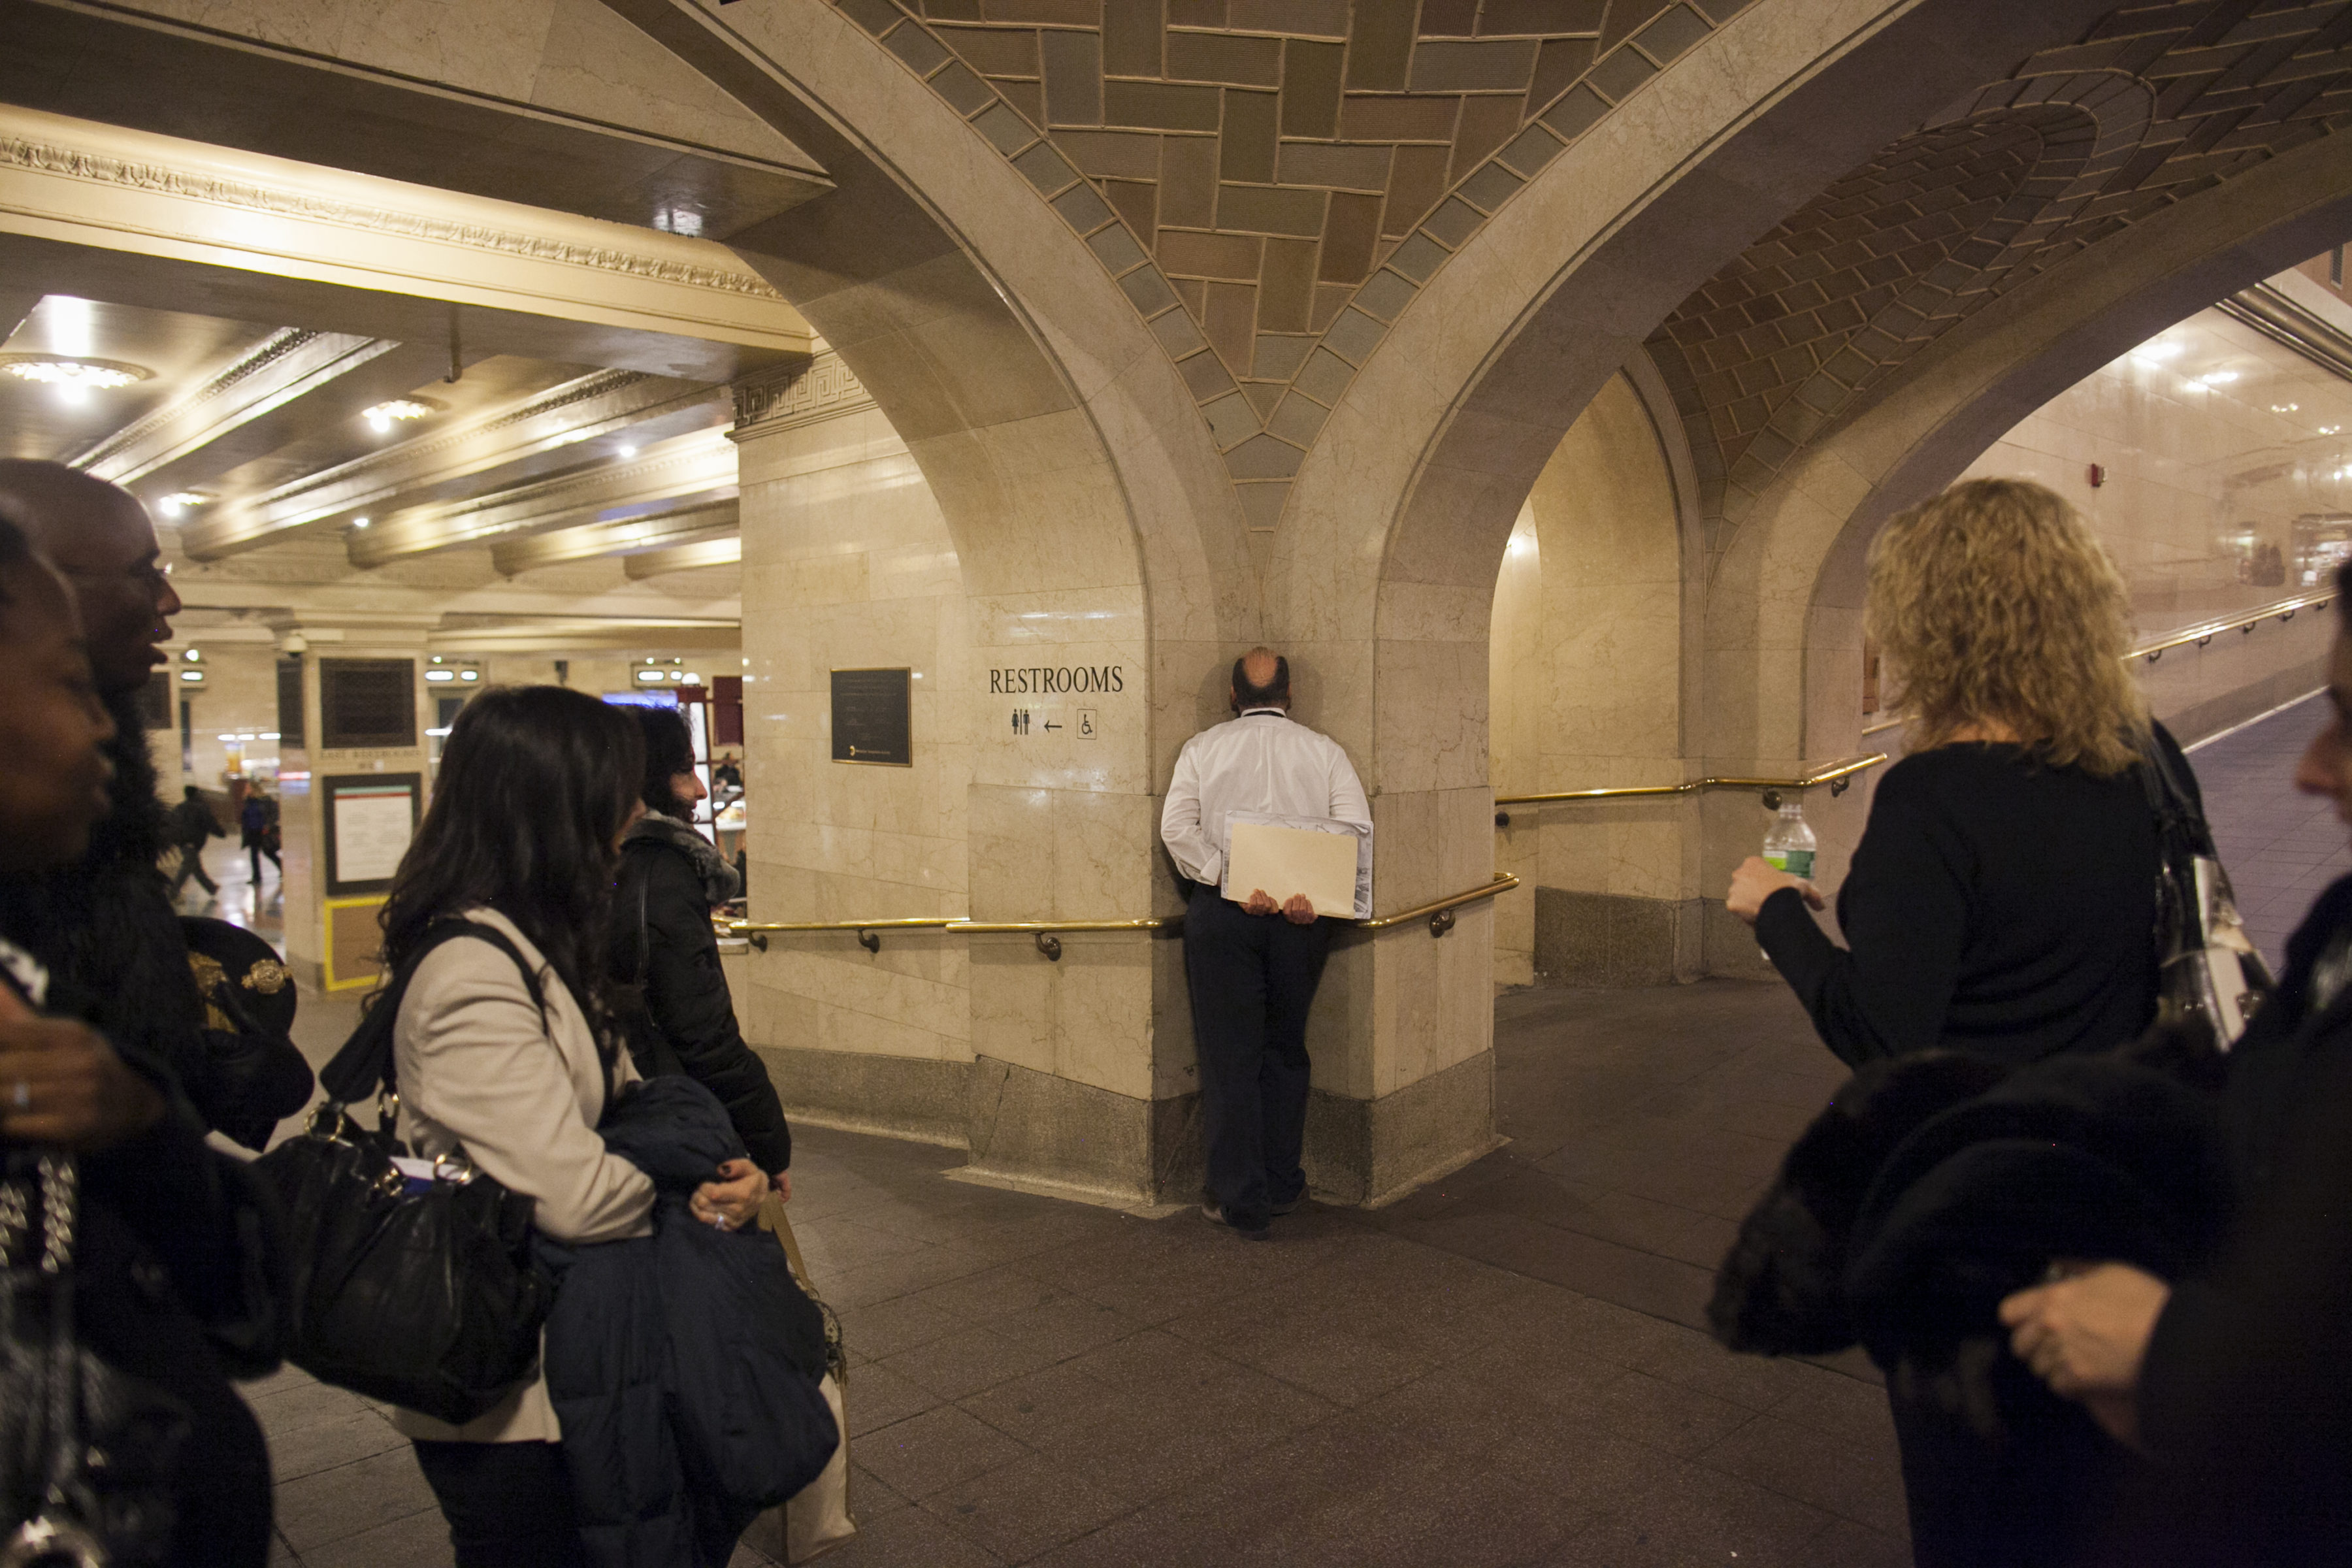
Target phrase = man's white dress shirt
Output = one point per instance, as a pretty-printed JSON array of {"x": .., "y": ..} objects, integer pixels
[{"x": 1259, "y": 762}]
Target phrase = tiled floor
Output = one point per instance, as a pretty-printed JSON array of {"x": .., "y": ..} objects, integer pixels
[
  {"x": 2281, "y": 848},
  {"x": 1500, "y": 1370}
]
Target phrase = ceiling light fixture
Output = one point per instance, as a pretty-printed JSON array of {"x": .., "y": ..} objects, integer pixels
[
  {"x": 440, "y": 675},
  {"x": 627, "y": 452},
  {"x": 182, "y": 501},
  {"x": 380, "y": 416},
  {"x": 2329, "y": 429},
  {"x": 82, "y": 373},
  {"x": 359, "y": 522},
  {"x": 2155, "y": 350},
  {"x": 2217, "y": 377},
  {"x": 2285, "y": 408}
]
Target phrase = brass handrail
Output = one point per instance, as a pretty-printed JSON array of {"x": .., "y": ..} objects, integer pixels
[
  {"x": 1439, "y": 915},
  {"x": 1838, "y": 776},
  {"x": 2285, "y": 610},
  {"x": 2151, "y": 651}
]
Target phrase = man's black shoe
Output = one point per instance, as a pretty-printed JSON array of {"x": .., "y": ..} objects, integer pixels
[
  {"x": 1290, "y": 1207},
  {"x": 1215, "y": 1214}
]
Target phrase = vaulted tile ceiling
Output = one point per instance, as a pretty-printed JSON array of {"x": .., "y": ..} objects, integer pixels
[{"x": 1290, "y": 172}]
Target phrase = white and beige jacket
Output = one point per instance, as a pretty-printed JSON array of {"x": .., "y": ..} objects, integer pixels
[{"x": 479, "y": 1070}]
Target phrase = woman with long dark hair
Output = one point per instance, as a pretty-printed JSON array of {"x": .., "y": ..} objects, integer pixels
[
  {"x": 537, "y": 786},
  {"x": 675, "y": 1006}
]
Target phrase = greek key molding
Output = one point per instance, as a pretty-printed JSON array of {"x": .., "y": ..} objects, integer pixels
[
  {"x": 47, "y": 158},
  {"x": 798, "y": 394}
]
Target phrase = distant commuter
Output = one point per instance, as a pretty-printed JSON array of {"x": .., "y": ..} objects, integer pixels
[
  {"x": 106, "y": 923},
  {"x": 170, "y": 1281},
  {"x": 194, "y": 825},
  {"x": 671, "y": 993},
  {"x": 258, "y": 835},
  {"x": 2234, "y": 1380},
  {"x": 2002, "y": 898},
  {"x": 537, "y": 786},
  {"x": 1253, "y": 965}
]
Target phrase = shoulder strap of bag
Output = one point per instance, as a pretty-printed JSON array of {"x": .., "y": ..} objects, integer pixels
[{"x": 364, "y": 1064}]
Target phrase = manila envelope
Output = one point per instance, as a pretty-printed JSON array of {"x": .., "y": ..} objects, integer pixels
[{"x": 1286, "y": 860}]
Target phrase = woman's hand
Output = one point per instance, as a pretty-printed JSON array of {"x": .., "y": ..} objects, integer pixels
[
  {"x": 1757, "y": 880},
  {"x": 62, "y": 1084},
  {"x": 732, "y": 1201},
  {"x": 781, "y": 1183},
  {"x": 2087, "y": 1336}
]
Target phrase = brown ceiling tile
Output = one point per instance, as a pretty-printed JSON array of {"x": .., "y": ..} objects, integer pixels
[
  {"x": 1558, "y": 62},
  {"x": 1131, "y": 35},
  {"x": 1349, "y": 230},
  {"x": 1232, "y": 320},
  {"x": 1188, "y": 181},
  {"x": 1137, "y": 202},
  {"x": 1443, "y": 65},
  {"x": 1159, "y": 105},
  {"x": 1417, "y": 179},
  {"x": 1196, "y": 12},
  {"x": 1671, "y": 35},
  {"x": 951, "y": 10},
  {"x": 1379, "y": 50},
  {"x": 1346, "y": 168},
  {"x": 1278, "y": 358},
  {"x": 1028, "y": 97},
  {"x": 1116, "y": 154},
  {"x": 1619, "y": 74},
  {"x": 1264, "y": 209},
  {"x": 1286, "y": 294},
  {"x": 1205, "y": 375},
  {"x": 1548, "y": 18},
  {"x": 1263, "y": 395},
  {"x": 1486, "y": 124},
  {"x": 1310, "y": 88},
  {"x": 1224, "y": 58},
  {"x": 1625, "y": 17},
  {"x": 1192, "y": 255},
  {"x": 1317, "y": 18},
  {"x": 1448, "y": 19},
  {"x": 1066, "y": 13},
  {"x": 1193, "y": 294},
  {"x": 1073, "y": 79},
  {"x": 1246, "y": 141},
  {"x": 1388, "y": 119}
]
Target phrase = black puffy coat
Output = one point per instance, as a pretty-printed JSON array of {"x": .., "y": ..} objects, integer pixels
[
  {"x": 685, "y": 1365},
  {"x": 674, "y": 1001}
]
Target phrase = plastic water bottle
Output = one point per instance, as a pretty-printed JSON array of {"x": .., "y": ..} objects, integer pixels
[{"x": 1789, "y": 845}]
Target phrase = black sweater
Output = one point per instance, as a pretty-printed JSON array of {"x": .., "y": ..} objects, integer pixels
[{"x": 1995, "y": 904}]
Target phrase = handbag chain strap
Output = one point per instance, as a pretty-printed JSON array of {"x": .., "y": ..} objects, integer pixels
[{"x": 58, "y": 1180}]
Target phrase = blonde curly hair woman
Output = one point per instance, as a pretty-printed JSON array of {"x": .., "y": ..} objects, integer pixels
[
  {"x": 2001, "y": 901},
  {"x": 2002, "y": 897}
]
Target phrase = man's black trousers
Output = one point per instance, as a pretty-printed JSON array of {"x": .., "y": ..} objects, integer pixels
[{"x": 1252, "y": 978}]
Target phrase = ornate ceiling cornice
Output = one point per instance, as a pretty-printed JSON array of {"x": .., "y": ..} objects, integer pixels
[
  {"x": 98, "y": 168},
  {"x": 794, "y": 394}
]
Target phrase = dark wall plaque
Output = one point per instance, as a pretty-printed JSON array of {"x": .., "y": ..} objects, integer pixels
[
  {"x": 872, "y": 717},
  {"x": 367, "y": 702},
  {"x": 289, "y": 702}
]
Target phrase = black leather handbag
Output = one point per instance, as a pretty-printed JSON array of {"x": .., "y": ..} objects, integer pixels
[
  {"x": 88, "y": 1452},
  {"x": 417, "y": 1290},
  {"x": 2211, "y": 977}
]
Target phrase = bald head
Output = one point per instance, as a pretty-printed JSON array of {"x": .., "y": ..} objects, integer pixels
[
  {"x": 1261, "y": 679},
  {"x": 100, "y": 539}
]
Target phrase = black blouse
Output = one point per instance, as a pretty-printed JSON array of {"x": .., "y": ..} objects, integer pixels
[{"x": 1995, "y": 904}]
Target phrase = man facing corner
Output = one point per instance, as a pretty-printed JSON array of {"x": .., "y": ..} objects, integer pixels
[{"x": 1251, "y": 967}]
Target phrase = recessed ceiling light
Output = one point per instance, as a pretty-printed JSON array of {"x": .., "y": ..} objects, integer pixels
[
  {"x": 380, "y": 416},
  {"x": 627, "y": 452},
  {"x": 2285, "y": 408},
  {"x": 2329, "y": 429},
  {"x": 73, "y": 374},
  {"x": 359, "y": 522},
  {"x": 182, "y": 501}
]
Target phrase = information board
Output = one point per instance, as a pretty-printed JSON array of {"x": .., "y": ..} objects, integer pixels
[
  {"x": 873, "y": 717},
  {"x": 370, "y": 819}
]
